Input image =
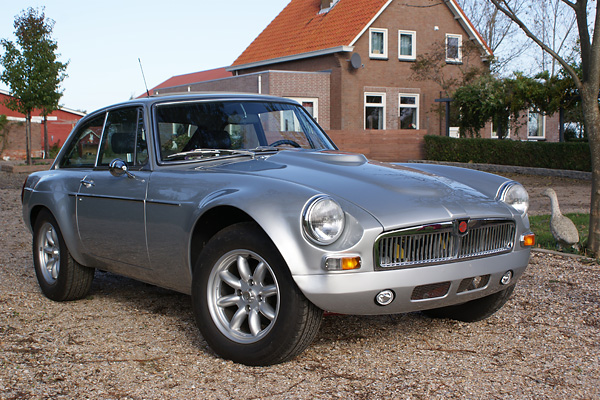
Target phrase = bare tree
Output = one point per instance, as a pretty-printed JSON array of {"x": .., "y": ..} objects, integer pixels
[
  {"x": 500, "y": 33},
  {"x": 587, "y": 84},
  {"x": 553, "y": 23}
]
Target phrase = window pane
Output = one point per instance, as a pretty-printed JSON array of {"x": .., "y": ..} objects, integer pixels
[
  {"x": 374, "y": 99},
  {"x": 408, "y": 100},
  {"x": 377, "y": 42},
  {"x": 84, "y": 147},
  {"x": 374, "y": 117},
  {"x": 535, "y": 124},
  {"x": 452, "y": 48},
  {"x": 405, "y": 44},
  {"x": 310, "y": 107},
  {"x": 408, "y": 118},
  {"x": 119, "y": 136}
]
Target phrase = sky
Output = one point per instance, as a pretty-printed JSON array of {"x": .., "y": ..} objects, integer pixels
[{"x": 102, "y": 41}]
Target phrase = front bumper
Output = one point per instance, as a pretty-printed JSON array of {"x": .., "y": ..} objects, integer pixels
[{"x": 354, "y": 293}]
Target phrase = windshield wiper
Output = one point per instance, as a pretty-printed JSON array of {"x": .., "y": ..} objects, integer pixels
[{"x": 209, "y": 153}]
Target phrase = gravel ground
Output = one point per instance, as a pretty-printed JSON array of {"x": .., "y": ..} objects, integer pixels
[{"x": 129, "y": 340}]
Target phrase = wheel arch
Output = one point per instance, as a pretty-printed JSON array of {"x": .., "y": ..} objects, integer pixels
[
  {"x": 211, "y": 222},
  {"x": 35, "y": 212}
]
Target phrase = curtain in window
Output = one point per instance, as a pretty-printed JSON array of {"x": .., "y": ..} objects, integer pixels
[
  {"x": 374, "y": 117},
  {"x": 377, "y": 42},
  {"x": 406, "y": 45}
]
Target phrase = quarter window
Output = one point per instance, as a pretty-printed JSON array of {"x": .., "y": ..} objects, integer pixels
[
  {"x": 83, "y": 149},
  {"x": 378, "y": 43},
  {"x": 453, "y": 48},
  {"x": 407, "y": 45},
  {"x": 374, "y": 110},
  {"x": 409, "y": 111}
]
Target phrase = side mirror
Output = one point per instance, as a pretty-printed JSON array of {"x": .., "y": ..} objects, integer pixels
[{"x": 118, "y": 167}]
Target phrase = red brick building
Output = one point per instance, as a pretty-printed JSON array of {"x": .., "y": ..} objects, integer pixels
[
  {"x": 349, "y": 62},
  {"x": 12, "y": 140}
]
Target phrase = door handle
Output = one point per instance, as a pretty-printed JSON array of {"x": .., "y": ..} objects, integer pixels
[{"x": 86, "y": 183}]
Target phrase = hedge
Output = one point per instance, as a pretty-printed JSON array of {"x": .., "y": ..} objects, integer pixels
[{"x": 569, "y": 156}]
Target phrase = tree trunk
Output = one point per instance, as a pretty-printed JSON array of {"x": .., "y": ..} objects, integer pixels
[
  {"x": 46, "y": 145},
  {"x": 28, "y": 137},
  {"x": 591, "y": 115}
]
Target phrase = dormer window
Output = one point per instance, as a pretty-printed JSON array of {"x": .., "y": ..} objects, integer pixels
[
  {"x": 378, "y": 39},
  {"x": 327, "y": 5},
  {"x": 453, "y": 48}
]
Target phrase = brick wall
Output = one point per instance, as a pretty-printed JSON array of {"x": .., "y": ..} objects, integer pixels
[
  {"x": 382, "y": 145},
  {"x": 13, "y": 140},
  {"x": 306, "y": 85}
]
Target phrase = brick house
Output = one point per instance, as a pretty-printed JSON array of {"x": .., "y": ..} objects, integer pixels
[
  {"x": 349, "y": 63},
  {"x": 12, "y": 139}
]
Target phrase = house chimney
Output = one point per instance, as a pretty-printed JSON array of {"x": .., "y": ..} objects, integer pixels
[{"x": 325, "y": 4}]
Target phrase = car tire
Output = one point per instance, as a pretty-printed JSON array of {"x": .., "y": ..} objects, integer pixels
[
  {"x": 246, "y": 304},
  {"x": 60, "y": 277},
  {"x": 474, "y": 310}
]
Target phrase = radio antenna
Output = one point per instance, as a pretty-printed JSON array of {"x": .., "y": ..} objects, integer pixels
[{"x": 145, "y": 84}]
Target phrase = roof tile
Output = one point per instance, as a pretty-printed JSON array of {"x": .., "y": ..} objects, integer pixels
[{"x": 299, "y": 28}]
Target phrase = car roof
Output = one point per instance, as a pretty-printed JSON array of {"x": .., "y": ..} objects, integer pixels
[{"x": 217, "y": 96}]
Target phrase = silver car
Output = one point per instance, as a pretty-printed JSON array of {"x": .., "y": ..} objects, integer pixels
[{"x": 243, "y": 202}]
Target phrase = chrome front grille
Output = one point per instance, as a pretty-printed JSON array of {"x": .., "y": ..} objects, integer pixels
[{"x": 441, "y": 243}]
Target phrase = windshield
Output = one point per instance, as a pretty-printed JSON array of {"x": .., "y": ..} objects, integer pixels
[{"x": 192, "y": 127}]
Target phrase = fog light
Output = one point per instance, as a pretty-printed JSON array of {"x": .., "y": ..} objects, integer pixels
[
  {"x": 343, "y": 263},
  {"x": 506, "y": 278},
  {"x": 385, "y": 297}
]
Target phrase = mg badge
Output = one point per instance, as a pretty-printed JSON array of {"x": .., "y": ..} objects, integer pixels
[{"x": 461, "y": 227}]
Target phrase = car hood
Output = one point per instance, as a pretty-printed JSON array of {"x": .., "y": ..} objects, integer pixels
[{"x": 396, "y": 195}]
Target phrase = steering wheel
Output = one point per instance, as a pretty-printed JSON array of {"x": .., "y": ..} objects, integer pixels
[{"x": 284, "y": 141}]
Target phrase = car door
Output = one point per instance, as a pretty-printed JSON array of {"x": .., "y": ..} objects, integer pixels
[{"x": 110, "y": 209}]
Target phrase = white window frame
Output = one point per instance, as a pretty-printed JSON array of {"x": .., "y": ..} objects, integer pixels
[
  {"x": 413, "y": 55},
  {"x": 313, "y": 100},
  {"x": 415, "y": 106},
  {"x": 543, "y": 119},
  {"x": 382, "y": 105},
  {"x": 383, "y": 56},
  {"x": 459, "y": 58}
]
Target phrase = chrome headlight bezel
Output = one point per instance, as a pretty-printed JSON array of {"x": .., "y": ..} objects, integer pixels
[
  {"x": 515, "y": 195},
  {"x": 323, "y": 220}
]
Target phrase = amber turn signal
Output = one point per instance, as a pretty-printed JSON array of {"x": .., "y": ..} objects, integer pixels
[
  {"x": 528, "y": 240},
  {"x": 343, "y": 263}
]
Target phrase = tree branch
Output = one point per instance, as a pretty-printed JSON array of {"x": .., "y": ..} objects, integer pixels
[
  {"x": 505, "y": 8},
  {"x": 567, "y": 2}
]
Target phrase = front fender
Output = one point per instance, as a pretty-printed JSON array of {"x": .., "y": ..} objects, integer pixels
[{"x": 278, "y": 211}]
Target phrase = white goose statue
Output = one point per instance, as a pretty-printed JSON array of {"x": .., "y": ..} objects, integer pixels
[{"x": 561, "y": 227}]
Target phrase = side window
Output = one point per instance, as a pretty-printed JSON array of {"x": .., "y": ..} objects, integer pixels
[
  {"x": 83, "y": 149},
  {"x": 124, "y": 137}
]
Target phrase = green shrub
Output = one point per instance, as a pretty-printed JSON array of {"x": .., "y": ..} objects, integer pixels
[{"x": 571, "y": 156}]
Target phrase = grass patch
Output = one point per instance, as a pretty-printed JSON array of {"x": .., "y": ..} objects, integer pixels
[{"x": 540, "y": 225}]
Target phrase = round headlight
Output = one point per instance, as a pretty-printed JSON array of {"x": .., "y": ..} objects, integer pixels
[
  {"x": 516, "y": 196},
  {"x": 323, "y": 220}
]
